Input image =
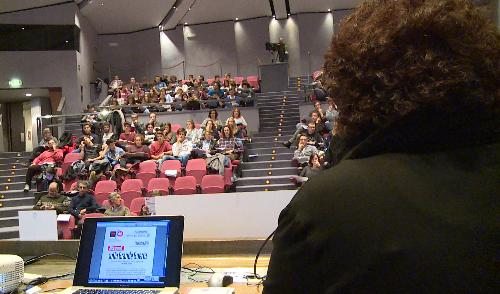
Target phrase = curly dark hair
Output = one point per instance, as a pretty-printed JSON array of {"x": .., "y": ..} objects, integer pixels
[{"x": 391, "y": 58}]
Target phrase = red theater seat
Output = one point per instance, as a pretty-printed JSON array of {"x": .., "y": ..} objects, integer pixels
[
  {"x": 136, "y": 205},
  {"x": 67, "y": 227},
  {"x": 131, "y": 188},
  {"x": 104, "y": 188},
  {"x": 68, "y": 160},
  {"x": 212, "y": 184},
  {"x": 196, "y": 168},
  {"x": 146, "y": 172},
  {"x": 160, "y": 184},
  {"x": 185, "y": 185}
]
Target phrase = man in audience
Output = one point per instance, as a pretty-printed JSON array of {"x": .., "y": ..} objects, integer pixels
[
  {"x": 127, "y": 137},
  {"x": 43, "y": 144},
  {"x": 84, "y": 202},
  {"x": 106, "y": 132},
  {"x": 113, "y": 153},
  {"x": 216, "y": 90},
  {"x": 87, "y": 131},
  {"x": 135, "y": 125},
  {"x": 135, "y": 153},
  {"x": 313, "y": 138},
  {"x": 53, "y": 200},
  {"x": 231, "y": 99},
  {"x": 160, "y": 147},
  {"x": 51, "y": 156},
  {"x": 303, "y": 152},
  {"x": 181, "y": 150}
]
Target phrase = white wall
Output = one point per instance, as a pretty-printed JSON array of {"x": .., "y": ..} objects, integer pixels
[
  {"x": 59, "y": 14},
  {"x": 315, "y": 39},
  {"x": 172, "y": 52},
  {"x": 86, "y": 58},
  {"x": 136, "y": 54},
  {"x": 210, "y": 44},
  {"x": 39, "y": 69},
  {"x": 228, "y": 216},
  {"x": 250, "y": 37}
]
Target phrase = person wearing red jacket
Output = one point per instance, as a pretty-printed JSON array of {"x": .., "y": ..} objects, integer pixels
[{"x": 51, "y": 156}]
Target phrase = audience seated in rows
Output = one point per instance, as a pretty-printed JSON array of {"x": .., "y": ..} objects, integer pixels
[{"x": 168, "y": 94}]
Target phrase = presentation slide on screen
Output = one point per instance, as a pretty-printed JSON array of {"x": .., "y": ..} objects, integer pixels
[{"x": 128, "y": 253}]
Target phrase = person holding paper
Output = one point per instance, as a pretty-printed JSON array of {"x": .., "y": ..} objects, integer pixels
[{"x": 53, "y": 200}]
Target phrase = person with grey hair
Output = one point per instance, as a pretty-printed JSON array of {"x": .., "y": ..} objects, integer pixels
[
  {"x": 116, "y": 207},
  {"x": 84, "y": 202}
]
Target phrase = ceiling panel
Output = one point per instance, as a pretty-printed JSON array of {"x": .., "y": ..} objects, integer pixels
[
  {"x": 298, "y": 6},
  {"x": 204, "y": 11},
  {"x": 13, "y": 5},
  {"x": 120, "y": 16}
]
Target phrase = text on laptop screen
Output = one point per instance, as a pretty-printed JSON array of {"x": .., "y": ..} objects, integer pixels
[{"x": 129, "y": 252}]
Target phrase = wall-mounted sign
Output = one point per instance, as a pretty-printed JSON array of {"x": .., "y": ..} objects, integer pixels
[{"x": 15, "y": 83}]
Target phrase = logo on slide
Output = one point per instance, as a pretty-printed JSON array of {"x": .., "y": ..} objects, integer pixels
[
  {"x": 116, "y": 234},
  {"x": 116, "y": 248}
]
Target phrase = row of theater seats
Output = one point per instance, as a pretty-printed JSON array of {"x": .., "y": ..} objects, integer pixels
[
  {"x": 66, "y": 228},
  {"x": 252, "y": 80}
]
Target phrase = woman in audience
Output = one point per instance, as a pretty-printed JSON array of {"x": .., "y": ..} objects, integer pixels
[
  {"x": 170, "y": 136},
  {"x": 239, "y": 120},
  {"x": 225, "y": 85},
  {"x": 237, "y": 133},
  {"x": 213, "y": 115},
  {"x": 116, "y": 206},
  {"x": 313, "y": 168},
  {"x": 228, "y": 144},
  {"x": 192, "y": 133},
  {"x": 210, "y": 126}
]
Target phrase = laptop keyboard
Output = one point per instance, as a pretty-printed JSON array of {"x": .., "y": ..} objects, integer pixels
[{"x": 118, "y": 291}]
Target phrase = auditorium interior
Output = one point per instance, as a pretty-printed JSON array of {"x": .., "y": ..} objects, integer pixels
[{"x": 197, "y": 108}]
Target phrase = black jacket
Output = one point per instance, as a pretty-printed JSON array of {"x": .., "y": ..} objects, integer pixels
[
  {"x": 86, "y": 201},
  {"x": 411, "y": 209}
]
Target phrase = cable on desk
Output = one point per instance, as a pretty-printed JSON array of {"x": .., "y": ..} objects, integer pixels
[
  {"x": 38, "y": 258},
  {"x": 43, "y": 280},
  {"x": 191, "y": 273},
  {"x": 257, "y": 276}
]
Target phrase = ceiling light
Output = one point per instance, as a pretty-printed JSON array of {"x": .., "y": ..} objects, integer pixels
[
  {"x": 185, "y": 23},
  {"x": 67, "y": 41},
  {"x": 236, "y": 19},
  {"x": 274, "y": 16},
  {"x": 189, "y": 8},
  {"x": 329, "y": 10},
  {"x": 288, "y": 14},
  {"x": 102, "y": 4},
  {"x": 175, "y": 7},
  {"x": 22, "y": 28},
  {"x": 28, "y": 94}
]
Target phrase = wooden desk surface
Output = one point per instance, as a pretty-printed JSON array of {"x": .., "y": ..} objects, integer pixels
[{"x": 219, "y": 263}]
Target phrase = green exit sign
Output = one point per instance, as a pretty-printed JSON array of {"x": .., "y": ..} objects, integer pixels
[{"x": 15, "y": 83}]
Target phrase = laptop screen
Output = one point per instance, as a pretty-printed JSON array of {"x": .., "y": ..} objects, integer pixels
[{"x": 130, "y": 251}]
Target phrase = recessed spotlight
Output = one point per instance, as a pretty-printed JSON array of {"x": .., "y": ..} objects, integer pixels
[
  {"x": 102, "y": 4},
  {"x": 236, "y": 19},
  {"x": 329, "y": 10},
  {"x": 274, "y": 16},
  {"x": 189, "y": 8},
  {"x": 28, "y": 94},
  {"x": 175, "y": 7},
  {"x": 288, "y": 14},
  {"x": 22, "y": 28},
  {"x": 67, "y": 41},
  {"x": 185, "y": 23}
]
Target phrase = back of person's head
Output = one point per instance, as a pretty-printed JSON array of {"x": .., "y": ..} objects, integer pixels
[{"x": 394, "y": 58}]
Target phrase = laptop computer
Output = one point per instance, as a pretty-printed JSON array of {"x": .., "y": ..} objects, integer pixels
[{"x": 122, "y": 254}]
